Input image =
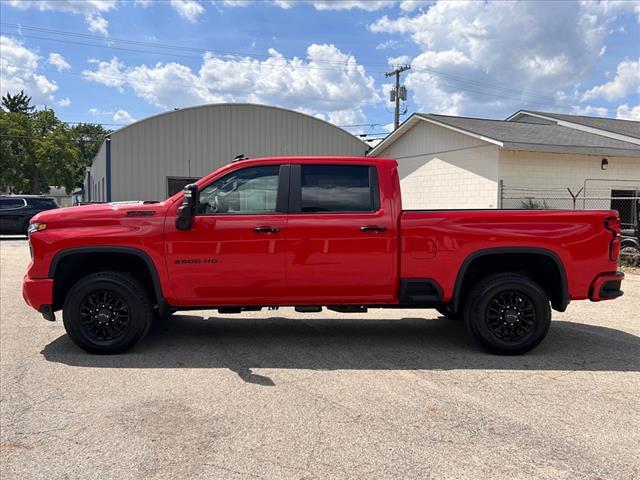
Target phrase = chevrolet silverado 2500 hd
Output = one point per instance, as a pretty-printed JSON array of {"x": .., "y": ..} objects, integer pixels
[{"x": 313, "y": 233}]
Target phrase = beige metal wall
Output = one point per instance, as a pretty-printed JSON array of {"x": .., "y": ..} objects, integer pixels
[
  {"x": 195, "y": 141},
  {"x": 94, "y": 183}
]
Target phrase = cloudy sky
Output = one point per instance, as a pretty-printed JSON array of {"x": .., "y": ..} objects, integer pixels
[{"x": 116, "y": 61}]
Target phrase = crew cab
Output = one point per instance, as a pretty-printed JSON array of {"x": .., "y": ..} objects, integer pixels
[{"x": 313, "y": 233}]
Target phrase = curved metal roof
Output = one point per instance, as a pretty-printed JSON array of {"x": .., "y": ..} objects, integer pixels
[{"x": 242, "y": 104}]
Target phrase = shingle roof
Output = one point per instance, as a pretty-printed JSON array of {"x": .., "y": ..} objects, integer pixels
[
  {"x": 538, "y": 137},
  {"x": 623, "y": 127}
]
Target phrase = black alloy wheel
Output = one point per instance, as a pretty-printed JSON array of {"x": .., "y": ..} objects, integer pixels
[
  {"x": 511, "y": 315},
  {"x": 104, "y": 315},
  {"x": 107, "y": 312},
  {"x": 508, "y": 313}
]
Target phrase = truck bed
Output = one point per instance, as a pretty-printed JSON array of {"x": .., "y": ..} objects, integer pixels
[{"x": 441, "y": 243}]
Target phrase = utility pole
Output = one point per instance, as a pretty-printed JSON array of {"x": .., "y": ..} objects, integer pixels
[{"x": 398, "y": 93}]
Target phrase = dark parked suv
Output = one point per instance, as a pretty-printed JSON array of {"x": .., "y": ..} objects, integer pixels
[{"x": 17, "y": 210}]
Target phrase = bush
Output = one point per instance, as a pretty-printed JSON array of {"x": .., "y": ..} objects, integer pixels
[
  {"x": 629, "y": 259},
  {"x": 531, "y": 204}
]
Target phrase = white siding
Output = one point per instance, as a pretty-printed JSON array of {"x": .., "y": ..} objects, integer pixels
[
  {"x": 549, "y": 173},
  {"x": 443, "y": 169},
  {"x": 192, "y": 142}
]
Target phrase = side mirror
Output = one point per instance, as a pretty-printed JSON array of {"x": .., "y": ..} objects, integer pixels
[{"x": 187, "y": 210}]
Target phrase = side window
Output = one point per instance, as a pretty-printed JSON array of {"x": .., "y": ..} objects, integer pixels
[
  {"x": 337, "y": 188},
  {"x": 11, "y": 203},
  {"x": 250, "y": 190}
]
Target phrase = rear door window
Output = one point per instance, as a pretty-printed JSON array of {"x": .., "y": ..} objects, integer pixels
[{"x": 337, "y": 188}]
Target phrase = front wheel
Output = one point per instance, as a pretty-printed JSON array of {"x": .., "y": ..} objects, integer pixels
[
  {"x": 107, "y": 312},
  {"x": 508, "y": 313}
]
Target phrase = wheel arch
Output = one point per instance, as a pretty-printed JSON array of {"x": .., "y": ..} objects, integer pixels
[
  {"x": 559, "y": 299},
  {"x": 78, "y": 253}
]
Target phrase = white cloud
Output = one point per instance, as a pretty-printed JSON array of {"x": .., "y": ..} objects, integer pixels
[
  {"x": 626, "y": 81},
  {"x": 97, "y": 24},
  {"x": 108, "y": 73},
  {"x": 590, "y": 111},
  {"x": 411, "y": 5},
  {"x": 64, "y": 102},
  {"x": 625, "y": 112},
  {"x": 338, "y": 93},
  {"x": 388, "y": 44},
  {"x": 189, "y": 9},
  {"x": 499, "y": 56},
  {"x": 57, "y": 60},
  {"x": 18, "y": 66},
  {"x": 122, "y": 116},
  {"x": 368, "y": 5},
  {"x": 100, "y": 112},
  {"x": 397, "y": 61},
  {"x": 80, "y": 7},
  {"x": 92, "y": 10},
  {"x": 237, "y": 3}
]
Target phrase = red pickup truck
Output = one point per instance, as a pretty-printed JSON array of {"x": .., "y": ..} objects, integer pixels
[{"x": 314, "y": 233}]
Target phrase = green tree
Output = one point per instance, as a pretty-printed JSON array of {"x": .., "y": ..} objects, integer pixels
[
  {"x": 16, "y": 151},
  {"x": 18, "y": 103},
  {"x": 89, "y": 138},
  {"x": 37, "y": 150}
]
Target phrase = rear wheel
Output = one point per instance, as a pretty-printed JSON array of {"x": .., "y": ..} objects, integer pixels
[
  {"x": 508, "y": 313},
  {"x": 107, "y": 312}
]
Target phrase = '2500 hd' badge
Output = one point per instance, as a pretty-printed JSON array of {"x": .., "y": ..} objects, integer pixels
[{"x": 195, "y": 261}]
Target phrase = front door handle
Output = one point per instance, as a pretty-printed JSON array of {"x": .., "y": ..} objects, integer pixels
[
  {"x": 266, "y": 229},
  {"x": 373, "y": 228}
]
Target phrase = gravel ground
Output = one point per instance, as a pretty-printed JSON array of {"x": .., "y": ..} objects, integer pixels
[{"x": 389, "y": 394}]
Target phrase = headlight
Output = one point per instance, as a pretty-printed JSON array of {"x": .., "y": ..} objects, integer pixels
[{"x": 36, "y": 227}]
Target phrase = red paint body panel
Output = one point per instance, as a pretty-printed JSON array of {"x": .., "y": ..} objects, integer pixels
[
  {"x": 436, "y": 243},
  {"x": 316, "y": 258},
  {"x": 37, "y": 292},
  {"x": 249, "y": 268}
]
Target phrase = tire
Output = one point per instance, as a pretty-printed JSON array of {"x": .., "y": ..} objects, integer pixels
[
  {"x": 447, "y": 313},
  {"x": 121, "y": 317},
  {"x": 629, "y": 249},
  {"x": 515, "y": 329}
]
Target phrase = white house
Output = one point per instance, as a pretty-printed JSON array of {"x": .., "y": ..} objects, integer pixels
[{"x": 535, "y": 159}]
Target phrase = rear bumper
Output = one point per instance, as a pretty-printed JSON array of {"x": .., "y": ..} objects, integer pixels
[
  {"x": 38, "y": 292},
  {"x": 606, "y": 286}
]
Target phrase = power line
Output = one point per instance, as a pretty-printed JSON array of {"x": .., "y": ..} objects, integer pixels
[
  {"x": 508, "y": 92},
  {"x": 34, "y": 137},
  {"x": 160, "y": 45}
]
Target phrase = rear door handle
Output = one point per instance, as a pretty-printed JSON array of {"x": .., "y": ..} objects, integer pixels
[
  {"x": 373, "y": 228},
  {"x": 266, "y": 229}
]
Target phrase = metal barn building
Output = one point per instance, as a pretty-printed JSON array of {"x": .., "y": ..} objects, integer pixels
[{"x": 153, "y": 158}]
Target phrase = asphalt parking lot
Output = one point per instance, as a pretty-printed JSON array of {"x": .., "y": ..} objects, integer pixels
[{"x": 391, "y": 394}]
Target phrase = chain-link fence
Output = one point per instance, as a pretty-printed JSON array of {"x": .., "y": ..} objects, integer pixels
[{"x": 620, "y": 195}]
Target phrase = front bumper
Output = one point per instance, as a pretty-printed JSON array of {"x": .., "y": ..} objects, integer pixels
[
  {"x": 38, "y": 293},
  {"x": 606, "y": 286}
]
